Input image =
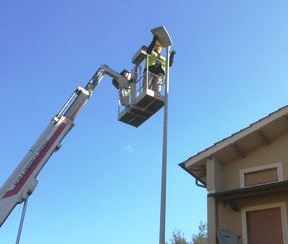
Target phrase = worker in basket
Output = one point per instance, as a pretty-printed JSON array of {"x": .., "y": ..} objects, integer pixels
[
  {"x": 124, "y": 92},
  {"x": 156, "y": 65}
]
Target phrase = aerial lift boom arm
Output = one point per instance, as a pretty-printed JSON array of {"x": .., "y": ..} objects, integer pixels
[{"x": 22, "y": 181}]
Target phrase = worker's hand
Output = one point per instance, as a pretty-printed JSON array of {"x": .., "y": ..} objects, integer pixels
[
  {"x": 173, "y": 52},
  {"x": 171, "y": 60}
]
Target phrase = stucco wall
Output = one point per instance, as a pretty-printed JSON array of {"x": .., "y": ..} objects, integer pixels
[
  {"x": 274, "y": 153},
  {"x": 231, "y": 220}
]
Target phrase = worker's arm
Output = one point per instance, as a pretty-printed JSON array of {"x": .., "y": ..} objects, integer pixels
[{"x": 152, "y": 44}]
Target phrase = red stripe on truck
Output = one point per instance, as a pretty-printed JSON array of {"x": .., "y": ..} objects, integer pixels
[{"x": 36, "y": 161}]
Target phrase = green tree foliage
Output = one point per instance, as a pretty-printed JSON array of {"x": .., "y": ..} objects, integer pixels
[
  {"x": 178, "y": 238},
  {"x": 199, "y": 238}
]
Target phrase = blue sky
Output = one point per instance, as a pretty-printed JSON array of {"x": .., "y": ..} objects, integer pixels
[{"x": 103, "y": 186}]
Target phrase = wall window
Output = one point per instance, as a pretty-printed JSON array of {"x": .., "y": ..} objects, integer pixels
[{"x": 262, "y": 174}]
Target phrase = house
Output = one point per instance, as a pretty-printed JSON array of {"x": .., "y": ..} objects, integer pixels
[{"x": 246, "y": 177}]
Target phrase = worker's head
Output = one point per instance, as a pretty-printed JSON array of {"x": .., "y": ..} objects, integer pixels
[
  {"x": 127, "y": 74},
  {"x": 158, "y": 46}
]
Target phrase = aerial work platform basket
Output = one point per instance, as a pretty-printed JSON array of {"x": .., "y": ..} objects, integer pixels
[
  {"x": 142, "y": 99},
  {"x": 146, "y": 103}
]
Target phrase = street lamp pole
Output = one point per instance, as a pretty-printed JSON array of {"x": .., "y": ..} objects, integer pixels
[{"x": 164, "y": 154}]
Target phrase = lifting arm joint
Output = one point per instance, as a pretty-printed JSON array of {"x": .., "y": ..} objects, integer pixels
[{"x": 106, "y": 70}]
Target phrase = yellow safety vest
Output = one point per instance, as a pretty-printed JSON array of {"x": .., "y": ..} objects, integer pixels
[{"x": 157, "y": 59}]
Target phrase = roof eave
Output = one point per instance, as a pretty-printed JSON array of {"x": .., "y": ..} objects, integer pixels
[
  {"x": 183, "y": 166},
  {"x": 210, "y": 151}
]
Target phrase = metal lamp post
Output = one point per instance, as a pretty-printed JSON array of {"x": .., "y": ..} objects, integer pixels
[
  {"x": 166, "y": 42},
  {"x": 164, "y": 155}
]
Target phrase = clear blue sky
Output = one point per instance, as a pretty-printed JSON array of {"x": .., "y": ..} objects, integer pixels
[{"x": 103, "y": 186}]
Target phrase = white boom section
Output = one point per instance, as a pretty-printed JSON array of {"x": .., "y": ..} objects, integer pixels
[{"x": 22, "y": 181}]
